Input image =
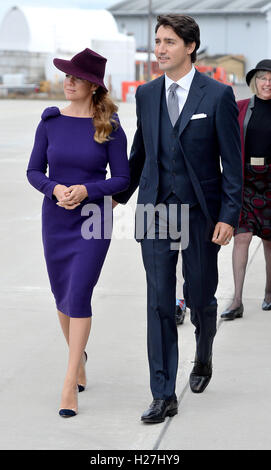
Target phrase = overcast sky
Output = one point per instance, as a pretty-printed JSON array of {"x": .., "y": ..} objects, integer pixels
[{"x": 98, "y": 4}]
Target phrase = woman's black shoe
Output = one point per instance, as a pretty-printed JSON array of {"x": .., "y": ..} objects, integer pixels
[
  {"x": 232, "y": 314},
  {"x": 67, "y": 413},
  {"x": 266, "y": 305}
]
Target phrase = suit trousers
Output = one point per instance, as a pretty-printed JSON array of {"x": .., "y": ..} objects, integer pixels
[{"x": 200, "y": 273}]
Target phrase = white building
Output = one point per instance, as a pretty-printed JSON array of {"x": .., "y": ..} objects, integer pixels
[
  {"x": 233, "y": 27},
  {"x": 30, "y": 37}
]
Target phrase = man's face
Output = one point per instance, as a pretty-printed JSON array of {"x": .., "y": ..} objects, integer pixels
[{"x": 170, "y": 50}]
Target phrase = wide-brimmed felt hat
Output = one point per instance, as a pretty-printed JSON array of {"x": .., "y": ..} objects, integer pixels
[
  {"x": 87, "y": 64},
  {"x": 264, "y": 65}
]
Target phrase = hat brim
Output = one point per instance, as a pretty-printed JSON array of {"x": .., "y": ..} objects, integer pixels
[
  {"x": 252, "y": 72},
  {"x": 67, "y": 66}
]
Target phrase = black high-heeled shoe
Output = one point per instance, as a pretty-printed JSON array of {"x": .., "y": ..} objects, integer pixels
[
  {"x": 66, "y": 413},
  {"x": 81, "y": 387}
]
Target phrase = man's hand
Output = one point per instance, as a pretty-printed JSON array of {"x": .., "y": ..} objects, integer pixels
[
  {"x": 114, "y": 203},
  {"x": 222, "y": 233}
]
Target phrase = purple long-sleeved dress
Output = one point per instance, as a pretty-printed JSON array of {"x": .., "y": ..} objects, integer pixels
[{"x": 66, "y": 145}]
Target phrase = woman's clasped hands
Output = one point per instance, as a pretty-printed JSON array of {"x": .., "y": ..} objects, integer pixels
[{"x": 70, "y": 197}]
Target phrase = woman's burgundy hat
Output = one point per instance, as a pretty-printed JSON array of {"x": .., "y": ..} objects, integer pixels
[
  {"x": 264, "y": 65},
  {"x": 86, "y": 64}
]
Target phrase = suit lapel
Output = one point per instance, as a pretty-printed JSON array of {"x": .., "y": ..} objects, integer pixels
[
  {"x": 248, "y": 115},
  {"x": 195, "y": 96},
  {"x": 155, "y": 106}
]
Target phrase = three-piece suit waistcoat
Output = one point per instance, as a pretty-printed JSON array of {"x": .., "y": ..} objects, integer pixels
[{"x": 173, "y": 175}]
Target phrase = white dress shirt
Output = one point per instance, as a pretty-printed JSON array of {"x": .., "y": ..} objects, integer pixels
[{"x": 183, "y": 89}]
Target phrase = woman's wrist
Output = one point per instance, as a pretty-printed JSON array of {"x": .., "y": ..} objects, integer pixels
[
  {"x": 55, "y": 188},
  {"x": 85, "y": 189}
]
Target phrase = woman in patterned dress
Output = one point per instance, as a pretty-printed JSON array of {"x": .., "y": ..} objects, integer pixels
[{"x": 255, "y": 218}]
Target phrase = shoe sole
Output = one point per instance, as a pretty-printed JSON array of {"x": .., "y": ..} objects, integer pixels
[
  {"x": 169, "y": 414},
  {"x": 239, "y": 315}
]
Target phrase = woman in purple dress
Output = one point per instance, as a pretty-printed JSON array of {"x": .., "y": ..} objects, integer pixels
[{"x": 77, "y": 143}]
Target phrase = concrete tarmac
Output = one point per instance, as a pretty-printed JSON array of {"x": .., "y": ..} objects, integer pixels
[{"x": 233, "y": 412}]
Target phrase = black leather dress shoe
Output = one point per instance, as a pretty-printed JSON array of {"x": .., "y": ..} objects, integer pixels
[
  {"x": 200, "y": 376},
  {"x": 159, "y": 409},
  {"x": 232, "y": 314}
]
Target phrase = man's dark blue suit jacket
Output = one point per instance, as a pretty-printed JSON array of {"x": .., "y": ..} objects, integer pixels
[{"x": 211, "y": 147}]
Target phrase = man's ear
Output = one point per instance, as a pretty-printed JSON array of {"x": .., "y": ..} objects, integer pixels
[{"x": 191, "y": 47}]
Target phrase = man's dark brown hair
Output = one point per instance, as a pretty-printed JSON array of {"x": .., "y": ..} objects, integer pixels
[{"x": 185, "y": 27}]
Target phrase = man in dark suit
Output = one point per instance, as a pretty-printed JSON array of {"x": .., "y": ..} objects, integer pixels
[{"x": 186, "y": 150}]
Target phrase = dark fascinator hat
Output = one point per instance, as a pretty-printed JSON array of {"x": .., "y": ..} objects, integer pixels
[
  {"x": 86, "y": 64},
  {"x": 264, "y": 65}
]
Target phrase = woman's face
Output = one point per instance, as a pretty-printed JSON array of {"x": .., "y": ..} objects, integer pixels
[
  {"x": 263, "y": 84},
  {"x": 77, "y": 88}
]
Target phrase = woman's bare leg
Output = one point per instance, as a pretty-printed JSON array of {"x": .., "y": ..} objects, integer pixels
[
  {"x": 239, "y": 264},
  {"x": 267, "y": 254},
  {"x": 77, "y": 336},
  {"x": 65, "y": 325}
]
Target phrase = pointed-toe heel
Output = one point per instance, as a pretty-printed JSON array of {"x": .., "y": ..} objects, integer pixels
[
  {"x": 66, "y": 413},
  {"x": 82, "y": 387}
]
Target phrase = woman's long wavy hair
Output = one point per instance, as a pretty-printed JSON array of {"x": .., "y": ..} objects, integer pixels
[{"x": 103, "y": 120}]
